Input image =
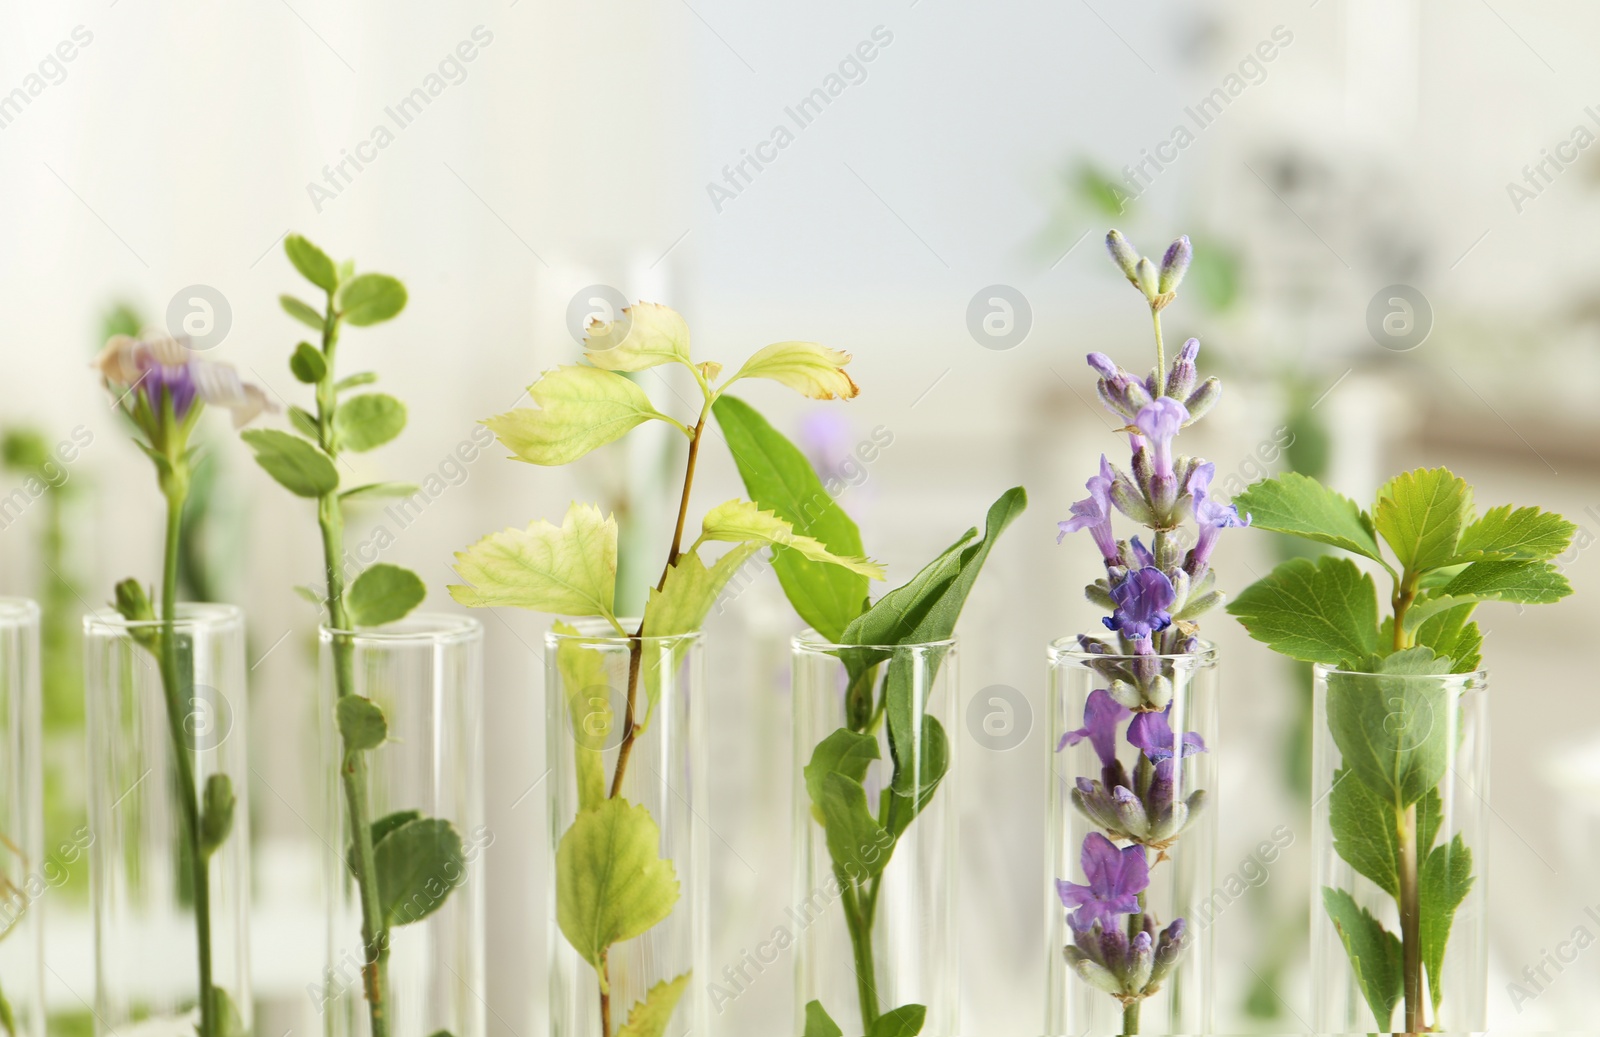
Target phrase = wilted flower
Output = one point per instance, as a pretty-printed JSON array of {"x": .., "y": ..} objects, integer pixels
[{"x": 150, "y": 374}]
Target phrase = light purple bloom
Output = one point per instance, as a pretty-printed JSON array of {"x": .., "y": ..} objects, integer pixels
[
  {"x": 1142, "y": 598},
  {"x": 1151, "y": 734},
  {"x": 165, "y": 368},
  {"x": 1141, "y": 554},
  {"x": 1101, "y": 715},
  {"x": 1094, "y": 512},
  {"x": 1210, "y": 514},
  {"x": 1159, "y": 424},
  {"x": 1116, "y": 878}
]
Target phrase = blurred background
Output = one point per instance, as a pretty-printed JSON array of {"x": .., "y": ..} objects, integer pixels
[{"x": 1425, "y": 164}]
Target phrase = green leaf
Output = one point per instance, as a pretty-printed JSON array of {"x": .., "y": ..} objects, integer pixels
[
  {"x": 780, "y": 479},
  {"x": 588, "y": 691},
  {"x": 811, "y": 370},
  {"x": 1430, "y": 818},
  {"x": 303, "y": 312},
  {"x": 379, "y": 490},
  {"x": 858, "y": 845},
  {"x": 578, "y": 409},
  {"x": 1527, "y": 583},
  {"x": 384, "y": 826},
  {"x": 384, "y": 593},
  {"x": 1392, "y": 731},
  {"x": 305, "y": 423},
  {"x": 297, "y": 465},
  {"x": 418, "y": 865},
  {"x": 1515, "y": 534},
  {"x": 1443, "y": 883},
  {"x": 1421, "y": 514},
  {"x": 368, "y": 420},
  {"x": 690, "y": 589},
  {"x": 846, "y": 752},
  {"x": 361, "y": 723},
  {"x": 741, "y": 521},
  {"x": 1301, "y": 506},
  {"x": 1374, "y": 953},
  {"x": 905, "y": 1021},
  {"x": 313, "y": 263},
  {"x": 918, "y": 770},
  {"x": 1414, "y": 662},
  {"x": 648, "y": 334},
  {"x": 216, "y": 818},
  {"x": 1324, "y": 611},
  {"x": 649, "y": 1017},
  {"x": 307, "y": 364},
  {"x": 819, "y": 1023},
  {"x": 8, "y": 1017},
  {"x": 611, "y": 882},
  {"x": 568, "y": 571},
  {"x": 371, "y": 299},
  {"x": 229, "y": 1022},
  {"x": 1450, "y": 634},
  {"x": 1364, "y": 831},
  {"x": 355, "y": 381}
]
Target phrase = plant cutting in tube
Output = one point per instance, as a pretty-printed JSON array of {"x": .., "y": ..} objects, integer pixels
[
  {"x": 1385, "y": 804},
  {"x": 612, "y": 885}
]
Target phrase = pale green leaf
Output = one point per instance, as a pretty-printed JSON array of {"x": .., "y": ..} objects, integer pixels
[
  {"x": 418, "y": 865},
  {"x": 1515, "y": 534},
  {"x": 740, "y": 521},
  {"x": 807, "y": 368},
  {"x": 1392, "y": 731},
  {"x": 578, "y": 409},
  {"x": 1298, "y": 505},
  {"x": 589, "y": 693},
  {"x": 690, "y": 589},
  {"x": 1324, "y": 611},
  {"x": 362, "y": 725},
  {"x": 905, "y": 1021},
  {"x": 611, "y": 882},
  {"x": 819, "y": 1023},
  {"x": 384, "y": 593},
  {"x": 371, "y": 299},
  {"x": 1524, "y": 583},
  {"x": 646, "y": 335},
  {"x": 301, "y": 311},
  {"x": 297, "y": 465},
  {"x": 380, "y": 490},
  {"x": 649, "y": 1017},
  {"x": 570, "y": 570},
  {"x": 368, "y": 420},
  {"x": 313, "y": 263},
  {"x": 1421, "y": 514}
]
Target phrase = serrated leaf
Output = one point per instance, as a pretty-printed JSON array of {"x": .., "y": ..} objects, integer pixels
[
  {"x": 1364, "y": 831},
  {"x": 307, "y": 364},
  {"x": 1393, "y": 732},
  {"x": 570, "y": 570},
  {"x": 1443, "y": 883},
  {"x": 648, "y": 334},
  {"x": 819, "y": 1023},
  {"x": 588, "y": 692},
  {"x": 780, "y": 479},
  {"x": 1527, "y": 583},
  {"x": 313, "y": 263},
  {"x": 362, "y": 725},
  {"x": 368, "y": 420},
  {"x": 418, "y": 865},
  {"x": 578, "y": 409},
  {"x": 371, "y": 299},
  {"x": 689, "y": 591},
  {"x": 1515, "y": 534},
  {"x": 1374, "y": 954},
  {"x": 809, "y": 369},
  {"x": 1300, "y": 506},
  {"x": 378, "y": 490},
  {"x": 649, "y": 1017},
  {"x": 297, "y": 465},
  {"x": 611, "y": 882},
  {"x": 1450, "y": 633},
  {"x": 1414, "y": 662},
  {"x": 1421, "y": 515},
  {"x": 742, "y": 521},
  {"x": 303, "y": 312},
  {"x": 384, "y": 593},
  {"x": 905, "y": 1021},
  {"x": 1324, "y": 611}
]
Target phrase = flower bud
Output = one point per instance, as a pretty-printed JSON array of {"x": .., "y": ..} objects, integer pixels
[
  {"x": 1203, "y": 399},
  {"x": 1180, "y": 381},
  {"x": 1123, "y": 254},
  {"x": 1130, "y": 812},
  {"x": 1175, "y": 264},
  {"x": 1145, "y": 276},
  {"x": 1129, "y": 501},
  {"x": 1097, "y": 976},
  {"x": 1141, "y": 963},
  {"x": 132, "y": 603}
]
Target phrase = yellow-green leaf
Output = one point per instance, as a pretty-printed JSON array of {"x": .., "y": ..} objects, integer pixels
[
  {"x": 740, "y": 521},
  {"x": 682, "y": 603},
  {"x": 649, "y": 1017},
  {"x": 578, "y": 409},
  {"x": 611, "y": 881},
  {"x": 589, "y": 693},
  {"x": 570, "y": 570},
  {"x": 807, "y": 368},
  {"x": 646, "y": 335},
  {"x": 1421, "y": 515}
]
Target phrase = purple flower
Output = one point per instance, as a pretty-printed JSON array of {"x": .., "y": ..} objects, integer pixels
[
  {"x": 157, "y": 369},
  {"x": 1152, "y": 734},
  {"x": 1122, "y": 393},
  {"x": 1094, "y": 512},
  {"x": 1101, "y": 715},
  {"x": 1181, "y": 379},
  {"x": 1116, "y": 878},
  {"x": 1210, "y": 514},
  {"x": 1175, "y": 264},
  {"x": 1142, "y": 600},
  {"x": 1158, "y": 424}
]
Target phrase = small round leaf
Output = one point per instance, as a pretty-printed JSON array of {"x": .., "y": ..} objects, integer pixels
[
  {"x": 307, "y": 364},
  {"x": 312, "y": 262},
  {"x": 361, "y": 723},
  {"x": 369, "y": 420},
  {"x": 383, "y": 594},
  {"x": 371, "y": 299}
]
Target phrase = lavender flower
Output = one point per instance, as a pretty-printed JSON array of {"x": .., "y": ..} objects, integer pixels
[
  {"x": 1210, "y": 515},
  {"x": 1116, "y": 878},
  {"x": 1128, "y": 969},
  {"x": 1094, "y": 512},
  {"x": 1175, "y": 264},
  {"x": 151, "y": 373},
  {"x": 1101, "y": 716},
  {"x": 1151, "y": 734},
  {"x": 1142, "y": 598}
]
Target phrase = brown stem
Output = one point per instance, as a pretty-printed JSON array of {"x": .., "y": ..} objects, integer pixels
[
  {"x": 605, "y": 998},
  {"x": 1410, "y": 920}
]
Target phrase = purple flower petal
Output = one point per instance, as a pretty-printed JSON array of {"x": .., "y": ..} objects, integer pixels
[
  {"x": 1151, "y": 734},
  {"x": 1142, "y": 598},
  {"x": 1101, "y": 715}
]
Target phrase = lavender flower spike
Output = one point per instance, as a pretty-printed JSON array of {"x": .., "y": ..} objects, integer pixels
[
  {"x": 1094, "y": 512},
  {"x": 1142, "y": 599},
  {"x": 1101, "y": 715},
  {"x": 1151, "y": 734},
  {"x": 1116, "y": 878}
]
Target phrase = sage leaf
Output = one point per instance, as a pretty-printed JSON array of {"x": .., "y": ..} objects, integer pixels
[
  {"x": 1303, "y": 507},
  {"x": 919, "y": 768},
  {"x": 647, "y": 335},
  {"x": 368, "y": 420},
  {"x": 1374, "y": 954},
  {"x": 1324, "y": 611},
  {"x": 418, "y": 865},
  {"x": 1443, "y": 883},
  {"x": 742, "y": 521},
  {"x": 649, "y": 1017},
  {"x": 1393, "y": 732},
  {"x": 297, "y": 465},
  {"x": 371, "y": 299},
  {"x": 313, "y": 263},
  {"x": 780, "y": 479},
  {"x": 1422, "y": 514},
  {"x": 384, "y": 593},
  {"x": 807, "y": 368},
  {"x": 846, "y": 752},
  {"x": 611, "y": 882},
  {"x": 307, "y": 364},
  {"x": 578, "y": 410},
  {"x": 905, "y": 1021},
  {"x": 303, "y": 312},
  {"x": 361, "y": 723},
  {"x": 570, "y": 570},
  {"x": 818, "y": 1022}
]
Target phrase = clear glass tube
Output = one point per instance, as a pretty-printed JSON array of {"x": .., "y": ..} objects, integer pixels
[
  {"x": 26, "y": 877},
  {"x": 591, "y": 676},
  {"x": 874, "y": 935},
  {"x": 426, "y": 673},
  {"x": 1174, "y": 823},
  {"x": 149, "y": 898},
  {"x": 1404, "y": 759}
]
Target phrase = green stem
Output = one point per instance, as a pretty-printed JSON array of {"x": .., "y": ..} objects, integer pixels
[
  {"x": 1410, "y": 919},
  {"x": 1161, "y": 364},
  {"x": 353, "y": 763},
  {"x": 176, "y": 492},
  {"x": 1130, "y": 1017},
  {"x": 859, "y": 919}
]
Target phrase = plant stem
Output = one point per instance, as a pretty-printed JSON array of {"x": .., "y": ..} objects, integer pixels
[
  {"x": 1161, "y": 359},
  {"x": 176, "y": 492},
  {"x": 1130, "y": 1017},
  {"x": 353, "y": 763},
  {"x": 858, "y": 919},
  {"x": 605, "y": 995},
  {"x": 1410, "y": 919}
]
